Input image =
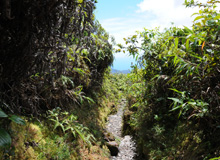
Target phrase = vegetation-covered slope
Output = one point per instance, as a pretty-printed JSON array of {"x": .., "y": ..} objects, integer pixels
[
  {"x": 56, "y": 89},
  {"x": 51, "y": 51},
  {"x": 175, "y": 115},
  {"x": 54, "y": 56}
]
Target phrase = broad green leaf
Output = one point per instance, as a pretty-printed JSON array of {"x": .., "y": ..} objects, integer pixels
[
  {"x": 181, "y": 111},
  {"x": 198, "y": 18},
  {"x": 194, "y": 14},
  {"x": 187, "y": 45},
  {"x": 89, "y": 99},
  {"x": 80, "y": 133},
  {"x": 175, "y": 90},
  {"x": 198, "y": 24},
  {"x": 192, "y": 103},
  {"x": 87, "y": 59},
  {"x": 17, "y": 119},
  {"x": 176, "y": 42},
  {"x": 189, "y": 30},
  {"x": 176, "y": 100},
  {"x": 73, "y": 132},
  {"x": 203, "y": 21},
  {"x": 62, "y": 127},
  {"x": 5, "y": 138},
  {"x": 175, "y": 108},
  {"x": 176, "y": 61},
  {"x": 79, "y": 71},
  {"x": 155, "y": 77},
  {"x": 168, "y": 39},
  {"x": 216, "y": 158},
  {"x": 196, "y": 56},
  {"x": 57, "y": 123},
  {"x": 2, "y": 114},
  {"x": 217, "y": 17},
  {"x": 81, "y": 99}
]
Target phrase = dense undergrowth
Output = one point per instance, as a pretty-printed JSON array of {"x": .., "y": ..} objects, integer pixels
[
  {"x": 173, "y": 108},
  {"x": 56, "y": 89},
  {"x": 54, "y": 57},
  {"x": 59, "y": 134}
]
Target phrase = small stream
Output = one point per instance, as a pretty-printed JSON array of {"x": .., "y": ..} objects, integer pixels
[{"x": 127, "y": 147}]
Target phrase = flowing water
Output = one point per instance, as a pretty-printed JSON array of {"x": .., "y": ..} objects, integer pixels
[{"x": 127, "y": 147}]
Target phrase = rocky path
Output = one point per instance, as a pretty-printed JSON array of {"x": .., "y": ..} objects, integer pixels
[{"x": 127, "y": 145}]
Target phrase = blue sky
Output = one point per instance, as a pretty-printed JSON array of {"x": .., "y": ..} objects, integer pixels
[{"x": 121, "y": 18}]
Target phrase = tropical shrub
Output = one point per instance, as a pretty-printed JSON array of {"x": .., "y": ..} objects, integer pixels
[
  {"x": 179, "y": 116},
  {"x": 63, "y": 54},
  {"x": 53, "y": 53},
  {"x": 68, "y": 123}
]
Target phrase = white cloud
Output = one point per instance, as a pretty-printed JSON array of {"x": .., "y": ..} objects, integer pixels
[
  {"x": 167, "y": 11},
  {"x": 122, "y": 27},
  {"x": 150, "y": 14}
]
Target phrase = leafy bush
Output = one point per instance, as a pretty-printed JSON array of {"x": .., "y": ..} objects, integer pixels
[
  {"x": 177, "y": 117},
  {"x": 68, "y": 124},
  {"x": 51, "y": 61}
]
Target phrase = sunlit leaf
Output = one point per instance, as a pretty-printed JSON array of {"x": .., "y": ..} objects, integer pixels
[
  {"x": 175, "y": 90},
  {"x": 175, "y": 108},
  {"x": 176, "y": 42},
  {"x": 192, "y": 103},
  {"x": 176, "y": 100},
  {"x": 194, "y": 14},
  {"x": 217, "y": 17},
  {"x": 187, "y": 45},
  {"x": 216, "y": 158},
  {"x": 198, "y": 18}
]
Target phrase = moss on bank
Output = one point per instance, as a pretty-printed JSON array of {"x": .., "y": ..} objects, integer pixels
[{"x": 39, "y": 140}]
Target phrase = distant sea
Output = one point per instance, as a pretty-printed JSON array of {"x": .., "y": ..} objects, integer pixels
[{"x": 123, "y": 63}]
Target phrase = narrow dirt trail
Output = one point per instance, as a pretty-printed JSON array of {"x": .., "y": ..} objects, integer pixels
[{"x": 127, "y": 147}]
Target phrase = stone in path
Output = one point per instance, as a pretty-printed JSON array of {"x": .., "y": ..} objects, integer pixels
[{"x": 127, "y": 145}]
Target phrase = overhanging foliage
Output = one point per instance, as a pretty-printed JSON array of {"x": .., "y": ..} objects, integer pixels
[{"x": 52, "y": 52}]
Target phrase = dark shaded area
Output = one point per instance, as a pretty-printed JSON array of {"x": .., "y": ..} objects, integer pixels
[
  {"x": 113, "y": 148},
  {"x": 33, "y": 30},
  {"x": 52, "y": 52}
]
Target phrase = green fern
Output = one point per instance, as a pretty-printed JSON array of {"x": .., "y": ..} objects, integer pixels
[
  {"x": 66, "y": 80},
  {"x": 69, "y": 124}
]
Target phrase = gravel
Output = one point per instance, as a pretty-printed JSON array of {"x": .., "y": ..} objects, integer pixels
[{"x": 127, "y": 146}]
